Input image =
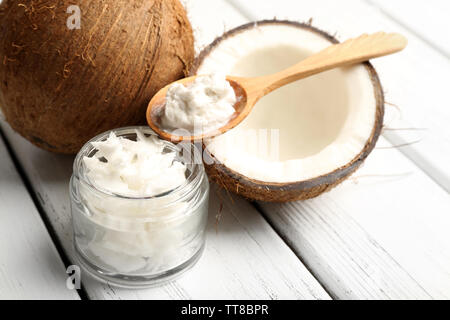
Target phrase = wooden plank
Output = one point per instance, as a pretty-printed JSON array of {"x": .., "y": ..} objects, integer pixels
[
  {"x": 382, "y": 234},
  {"x": 415, "y": 79},
  {"x": 361, "y": 241},
  {"x": 240, "y": 260},
  {"x": 428, "y": 20},
  {"x": 30, "y": 266}
]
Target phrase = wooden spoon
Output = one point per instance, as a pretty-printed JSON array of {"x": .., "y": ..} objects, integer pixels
[{"x": 250, "y": 90}]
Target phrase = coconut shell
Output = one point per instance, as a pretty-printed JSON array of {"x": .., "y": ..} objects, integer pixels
[
  {"x": 60, "y": 87},
  {"x": 301, "y": 190}
]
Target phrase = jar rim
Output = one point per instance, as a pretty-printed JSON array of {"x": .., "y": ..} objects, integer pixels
[{"x": 183, "y": 191}]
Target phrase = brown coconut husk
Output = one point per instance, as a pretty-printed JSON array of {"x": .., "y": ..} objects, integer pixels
[{"x": 60, "y": 87}]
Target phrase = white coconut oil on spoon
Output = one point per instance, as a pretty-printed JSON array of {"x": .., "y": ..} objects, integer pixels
[{"x": 204, "y": 105}]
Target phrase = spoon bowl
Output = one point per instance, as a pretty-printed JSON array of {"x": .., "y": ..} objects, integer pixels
[{"x": 157, "y": 105}]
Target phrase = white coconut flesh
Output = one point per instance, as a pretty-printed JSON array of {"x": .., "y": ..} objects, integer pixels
[{"x": 321, "y": 123}]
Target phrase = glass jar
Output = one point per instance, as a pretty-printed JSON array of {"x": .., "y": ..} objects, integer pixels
[{"x": 139, "y": 242}]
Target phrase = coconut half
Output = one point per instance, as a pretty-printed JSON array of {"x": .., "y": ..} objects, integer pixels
[{"x": 303, "y": 139}]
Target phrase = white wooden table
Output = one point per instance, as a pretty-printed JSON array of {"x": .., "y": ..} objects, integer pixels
[{"x": 384, "y": 233}]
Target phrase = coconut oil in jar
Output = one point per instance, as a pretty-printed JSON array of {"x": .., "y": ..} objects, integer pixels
[{"x": 139, "y": 207}]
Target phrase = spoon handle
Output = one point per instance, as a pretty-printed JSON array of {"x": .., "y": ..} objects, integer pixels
[{"x": 349, "y": 52}]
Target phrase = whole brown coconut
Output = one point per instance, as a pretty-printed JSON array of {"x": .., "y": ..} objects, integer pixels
[{"x": 59, "y": 86}]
